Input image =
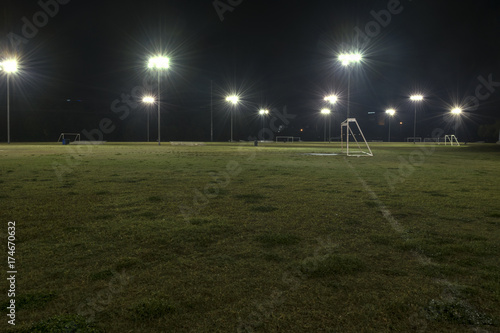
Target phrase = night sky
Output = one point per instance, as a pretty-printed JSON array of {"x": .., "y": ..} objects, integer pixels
[{"x": 78, "y": 66}]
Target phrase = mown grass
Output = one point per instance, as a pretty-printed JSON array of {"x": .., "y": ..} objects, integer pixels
[{"x": 216, "y": 238}]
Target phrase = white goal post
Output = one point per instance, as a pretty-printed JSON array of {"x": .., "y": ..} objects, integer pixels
[
  {"x": 452, "y": 139},
  {"x": 350, "y": 124},
  {"x": 288, "y": 138},
  {"x": 69, "y": 136}
]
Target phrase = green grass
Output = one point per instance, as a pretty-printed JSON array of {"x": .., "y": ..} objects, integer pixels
[{"x": 141, "y": 238}]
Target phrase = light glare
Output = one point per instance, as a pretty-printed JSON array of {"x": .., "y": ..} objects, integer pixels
[
  {"x": 159, "y": 62},
  {"x": 263, "y": 112},
  {"x": 456, "y": 111},
  {"x": 331, "y": 99},
  {"x": 416, "y": 98},
  {"x": 9, "y": 66},
  {"x": 233, "y": 99},
  {"x": 148, "y": 99},
  {"x": 325, "y": 111},
  {"x": 348, "y": 58},
  {"x": 391, "y": 112}
]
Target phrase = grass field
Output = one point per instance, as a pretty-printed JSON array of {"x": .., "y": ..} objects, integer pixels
[{"x": 237, "y": 238}]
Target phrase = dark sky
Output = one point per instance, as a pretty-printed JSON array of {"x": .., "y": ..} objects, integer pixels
[{"x": 273, "y": 53}]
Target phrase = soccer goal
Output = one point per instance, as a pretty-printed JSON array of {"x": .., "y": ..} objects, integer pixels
[
  {"x": 414, "y": 139},
  {"x": 287, "y": 139},
  {"x": 355, "y": 141},
  {"x": 66, "y": 138},
  {"x": 452, "y": 139}
]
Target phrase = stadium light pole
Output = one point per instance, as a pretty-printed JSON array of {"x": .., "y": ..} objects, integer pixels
[
  {"x": 347, "y": 59},
  {"x": 263, "y": 113},
  {"x": 325, "y": 112},
  {"x": 456, "y": 112},
  {"x": 415, "y": 98},
  {"x": 234, "y": 100},
  {"x": 332, "y": 99},
  {"x": 148, "y": 100},
  {"x": 10, "y": 67},
  {"x": 390, "y": 113},
  {"x": 159, "y": 63}
]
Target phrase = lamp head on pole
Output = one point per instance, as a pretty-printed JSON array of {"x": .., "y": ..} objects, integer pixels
[
  {"x": 325, "y": 111},
  {"x": 456, "y": 111},
  {"x": 332, "y": 99},
  {"x": 159, "y": 62},
  {"x": 417, "y": 98},
  {"x": 350, "y": 58},
  {"x": 390, "y": 112},
  {"x": 148, "y": 99},
  {"x": 233, "y": 99},
  {"x": 9, "y": 66}
]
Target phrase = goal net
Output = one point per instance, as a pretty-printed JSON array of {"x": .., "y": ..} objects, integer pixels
[
  {"x": 66, "y": 138},
  {"x": 287, "y": 138},
  {"x": 451, "y": 139},
  {"x": 354, "y": 139}
]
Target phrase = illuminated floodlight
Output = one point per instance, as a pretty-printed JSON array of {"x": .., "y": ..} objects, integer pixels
[
  {"x": 159, "y": 63},
  {"x": 417, "y": 98},
  {"x": 391, "y": 112},
  {"x": 326, "y": 111},
  {"x": 332, "y": 99},
  {"x": 456, "y": 111},
  {"x": 9, "y": 66},
  {"x": 148, "y": 99},
  {"x": 347, "y": 58},
  {"x": 263, "y": 112},
  {"x": 233, "y": 99}
]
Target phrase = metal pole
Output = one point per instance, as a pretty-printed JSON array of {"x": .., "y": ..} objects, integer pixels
[
  {"x": 231, "y": 110},
  {"x": 8, "y": 110},
  {"x": 389, "y": 129},
  {"x": 211, "y": 111},
  {"x": 415, "y": 126},
  {"x": 324, "y": 139},
  {"x": 329, "y": 128},
  {"x": 147, "y": 113},
  {"x": 159, "y": 101},
  {"x": 348, "y": 108}
]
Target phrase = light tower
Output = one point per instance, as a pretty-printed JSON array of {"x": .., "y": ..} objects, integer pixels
[{"x": 159, "y": 63}]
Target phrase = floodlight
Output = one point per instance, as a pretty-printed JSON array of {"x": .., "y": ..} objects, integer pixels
[
  {"x": 332, "y": 99},
  {"x": 148, "y": 99},
  {"x": 233, "y": 99},
  {"x": 456, "y": 111},
  {"x": 159, "y": 62},
  {"x": 391, "y": 112},
  {"x": 416, "y": 98},
  {"x": 263, "y": 112},
  {"x": 347, "y": 58},
  {"x": 9, "y": 66},
  {"x": 325, "y": 111}
]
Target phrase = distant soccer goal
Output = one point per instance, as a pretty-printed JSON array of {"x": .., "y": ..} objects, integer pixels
[
  {"x": 66, "y": 138},
  {"x": 355, "y": 141},
  {"x": 414, "y": 139},
  {"x": 452, "y": 139},
  {"x": 288, "y": 139}
]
